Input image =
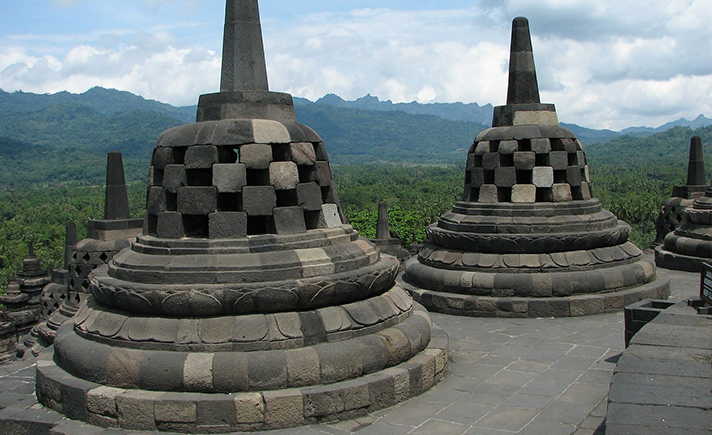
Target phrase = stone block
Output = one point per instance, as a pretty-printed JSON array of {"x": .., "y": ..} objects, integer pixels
[
  {"x": 559, "y": 160},
  {"x": 170, "y": 225},
  {"x": 508, "y": 147},
  {"x": 289, "y": 220},
  {"x": 256, "y": 156},
  {"x": 505, "y": 176},
  {"x": 250, "y": 408},
  {"x": 587, "y": 174},
  {"x": 569, "y": 145},
  {"x": 561, "y": 192},
  {"x": 309, "y": 196},
  {"x": 174, "y": 177},
  {"x": 470, "y": 161},
  {"x": 323, "y": 173},
  {"x": 585, "y": 190},
  {"x": 197, "y": 200},
  {"x": 321, "y": 154},
  {"x": 162, "y": 156},
  {"x": 216, "y": 411},
  {"x": 156, "y": 201},
  {"x": 541, "y": 146},
  {"x": 229, "y": 177},
  {"x": 201, "y": 157},
  {"x": 573, "y": 175},
  {"x": 543, "y": 176},
  {"x": 303, "y": 367},
  {"x": 490, "y": 161},
  {"x": 269, "y": 131},
  {"x": 524, "y": 193},
  {"x": 259, "y": 200},
  {"x": 329, "y": 216},
  {"x": 198, "y": 371},
  {"x": 283, "y": 175},
  {"x": 173, "y": 408},
  {"x": 230, "y": 372},
  {"x": 102, "y": 401},
  {"x": 267, "y": 370},
  {"x": 477, "y": 177},
  {"x": 136, "y": 410},
  {"x": 580, "y": 158},
  {"x": 227, "y": 225},
  {"x": 482, "y": 148},
  {"x": 322, "y": 401},
  {"x": 525, "y": 160},
  {"x": 488, "y": 193},
  {"x": 284, "y": 408},
  {"x": 339, "y": 361},
  {"x": 303, "y": 153}
]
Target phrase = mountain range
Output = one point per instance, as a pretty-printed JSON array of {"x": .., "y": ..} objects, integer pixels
[{"x": 63, "y": 138}]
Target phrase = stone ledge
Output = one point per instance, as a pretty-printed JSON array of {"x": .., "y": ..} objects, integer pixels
[
  {"x": 675, "y": 261},
  {"x": 271, "y": 410},
  {"x": 521, "y": 307}
]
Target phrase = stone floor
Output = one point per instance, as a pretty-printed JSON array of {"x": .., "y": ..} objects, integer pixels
[{"x": 507, "y": 376}]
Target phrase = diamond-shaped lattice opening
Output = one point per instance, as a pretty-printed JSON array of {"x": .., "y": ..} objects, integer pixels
[
  {"x": 86, "y": 257},
  {"x": 103, "y": 257},
  {"x": 282, "y": 153}
]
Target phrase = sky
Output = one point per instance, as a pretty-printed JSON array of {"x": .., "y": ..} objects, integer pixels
[{"x": 604, "y": 63}]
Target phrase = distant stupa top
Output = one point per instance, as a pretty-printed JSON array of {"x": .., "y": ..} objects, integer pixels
[
  {"x": 523, "y": 103},
  {"x": 244, "y": 90}
]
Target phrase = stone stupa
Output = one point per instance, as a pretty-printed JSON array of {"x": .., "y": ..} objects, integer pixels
[
  {"x": 384, "y": 241},
  {"x": 528, "y": 239},
  {"x": 690, "y": 244},
  {"x": 671, "y": 212},
  {"x": 246, "y": 304}
]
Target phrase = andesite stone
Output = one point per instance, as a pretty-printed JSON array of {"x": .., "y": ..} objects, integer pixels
[
  {"x": 527, "y": 239},
  {"x": 247, "y": 302}
]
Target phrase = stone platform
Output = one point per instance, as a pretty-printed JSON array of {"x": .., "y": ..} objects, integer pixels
[{"x": 506, "y": 376}]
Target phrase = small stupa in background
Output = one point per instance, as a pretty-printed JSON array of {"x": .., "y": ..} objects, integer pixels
[
  {"x": 528, "y": 239},
  {"x": 53, "y": 296},
  {"x": 21, "y": 306},
  {"x": 105, "y": 238},
  {"x": 384, "y": 241},
  {"x": 690, "y": 244},
  {"x": 671, "y": 212}
]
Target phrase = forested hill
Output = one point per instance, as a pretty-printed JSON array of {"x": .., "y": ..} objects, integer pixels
[{"x": 63, "y": 138}]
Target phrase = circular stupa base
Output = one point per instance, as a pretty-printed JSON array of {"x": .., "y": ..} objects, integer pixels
[
  {"x": 675, "y": 261},
  {"x": 138, "y": 409},
  {"x": 616, "y": 294}
]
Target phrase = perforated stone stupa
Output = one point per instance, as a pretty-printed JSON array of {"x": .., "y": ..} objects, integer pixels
[
  {"x": 690, "y": 244},
  {"x": 671, "y": 212},
  {"x": 528, "y": 239},
  {"x": 247, "y": 303}
]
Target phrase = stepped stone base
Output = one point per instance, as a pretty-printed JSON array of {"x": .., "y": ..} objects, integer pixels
[
  {"x": 104, "y": 406},
  {"x": 522, "y": 307},
  {"x": 675, "y": 261}
]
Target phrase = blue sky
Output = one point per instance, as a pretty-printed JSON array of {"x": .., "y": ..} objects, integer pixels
[{"x": 605, "y": 63}]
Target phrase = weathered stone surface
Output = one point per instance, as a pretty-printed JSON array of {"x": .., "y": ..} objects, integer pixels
[
  {"x": 228, "y": 225},
  {"x": 524, "y": 193},
  {"x": 201, "y": 157},
  {"x": 256, "y": 156},
  {"x": 229, "y": 177},
  {"x": 197, "y": 200},
  {"x": 259, "y": 200},
  {"x": 283, "y": 175},
  {"x": 543, "y": 176},
  {"x": 289, "y": 220}
]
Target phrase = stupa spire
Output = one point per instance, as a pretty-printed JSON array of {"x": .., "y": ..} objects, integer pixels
[
  {"x": 243, "y": 60},
  {"x": 523, "y": 106},
  {"x": 116, "y": 203},
  {"x": 696, "y": 166},
  {"x": 523, "y": 85}
]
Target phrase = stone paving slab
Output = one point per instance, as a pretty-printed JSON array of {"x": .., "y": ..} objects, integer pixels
[{"x": 525, "y": 376}]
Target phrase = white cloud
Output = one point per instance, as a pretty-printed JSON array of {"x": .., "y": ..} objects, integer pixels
[{"x": 604, "y": 64}]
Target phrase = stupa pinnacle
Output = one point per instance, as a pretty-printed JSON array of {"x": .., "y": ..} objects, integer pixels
[
  {"x": 246, "y": 303},
  {"x": 528, "y": 238}
]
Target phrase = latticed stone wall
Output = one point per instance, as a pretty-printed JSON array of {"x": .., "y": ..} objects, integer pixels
[{"x": 237, "y": 178}]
